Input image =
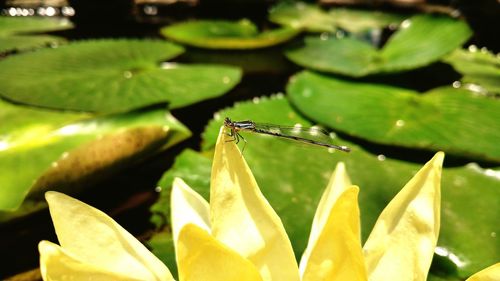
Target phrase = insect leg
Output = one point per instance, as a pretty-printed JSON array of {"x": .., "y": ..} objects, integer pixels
[
  {"x": 237, "y": 137},
  {"x": 244, "y": 145},
  {"x": 232, "y": 134}
]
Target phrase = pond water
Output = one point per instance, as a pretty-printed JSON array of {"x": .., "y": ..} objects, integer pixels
[{"x": 128, "y": 196}]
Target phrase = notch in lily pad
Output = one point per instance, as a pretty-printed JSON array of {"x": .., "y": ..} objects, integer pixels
[
  {"x": 419, "y": 41},
  {"x": 480, "y": 69},
  {"x": 313, "y": 18},
  {"x": 223, "y": 34}
]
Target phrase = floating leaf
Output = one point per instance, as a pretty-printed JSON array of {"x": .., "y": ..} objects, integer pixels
[
  {"x": 362, "y": 20},
  {"x": 477, "y": 67},
  {"x": 16, "y": 33},
  {"x": 292, "y": 177},
  {"x": 41, "y": 149},
  {"x": 312, "y": 18},
  {"x": 456, "y": 121},
  {"x": 16, "y": 25},
  {"x": 162, "y": 246},
  {"x": 420, "y": 41},
  {"x": 301, "y": 15},
  {"x": 219, "y": 34},
  {"x": 195, "y": 170},
  {"x": 346, "y": 56},
  {"x": 110, "y": 76}
]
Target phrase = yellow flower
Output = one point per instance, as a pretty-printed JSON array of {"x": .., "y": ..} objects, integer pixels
[
  {"x": 241, "y": 221},
  {"x": 491, "y": 273},
  {"x": 238, "y": 236},
  {"x": 93, "y": 247}
]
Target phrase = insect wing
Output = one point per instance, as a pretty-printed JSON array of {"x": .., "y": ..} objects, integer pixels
[{"x": 315, "y": 134}]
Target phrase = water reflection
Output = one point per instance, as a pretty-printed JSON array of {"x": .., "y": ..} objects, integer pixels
[
  {"x": 169, "y": 65},
  {"x": 405, "y": 24},
  {"x": 400, "y": 123},
  {"x": 44, "y": 11},
  {"x": 150, "y": 10},
  {"x": 474, "y": 88},
  {"x": 226, "y": 80},
  {"x": 444, "y": 252},
  {"x": 487, "y": 172},
  {"x": 127, "y": 74}
]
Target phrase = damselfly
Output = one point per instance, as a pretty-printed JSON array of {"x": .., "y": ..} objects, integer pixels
[{"x": 313, "y": 136}]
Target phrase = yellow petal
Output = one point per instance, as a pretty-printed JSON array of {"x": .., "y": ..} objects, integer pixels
[
  {"x": 96, "y": 239},
  {"x": 57, "y": 264},
  {"x": 491, "y": 273},
  {"x": 337, "y": 253},
  {"x": 200, "y": 257},
  {"x": 242, "y": 219},
  {"x": 339, "y": 182},
  {"x": 187, "y": 206},
  {"x": 402, "y": 242}
]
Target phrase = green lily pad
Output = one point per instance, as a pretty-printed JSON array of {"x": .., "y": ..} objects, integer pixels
[
  {"x": 312, "y": 18},
  {"x": 301, "y": 15},
  {"x": 477, "y": 67},
  {"x": 195, "y": 169},
  {"x": 420, "y": 41},
  {"x": 292, "y": 177},
  {"x": 362, "y": 20},
  {"x": 42, "y": 149},
  {"x": 191, "y": 167},
  {"x": 111, "y": 76},
  {"x": 17, "y": 33},
  {"x": 219, "y": 34},
  {"x": 456, "y": 121},
  {"x": 162, "y": 246}
]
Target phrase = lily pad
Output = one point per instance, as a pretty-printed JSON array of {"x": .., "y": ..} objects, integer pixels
[
  {"x": 111, "y": 76},
  {"x": 162, "y": 246},
  {"x": 41, "y": 149},
  {"x": 301, "y": 15},
  {"x": 362, "y": 20},
  {"x": 193, "y": 168},
  {"x": 220, "y": 34},
  {"x": 292, "y": 178},
  {"x": 312, "y": 18},
  {"x": 456, "y": 121},
  {"x": 17, "y": 33},
  {"x": 419, "y": 41},
  {"x": 478, "y": 67}
]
